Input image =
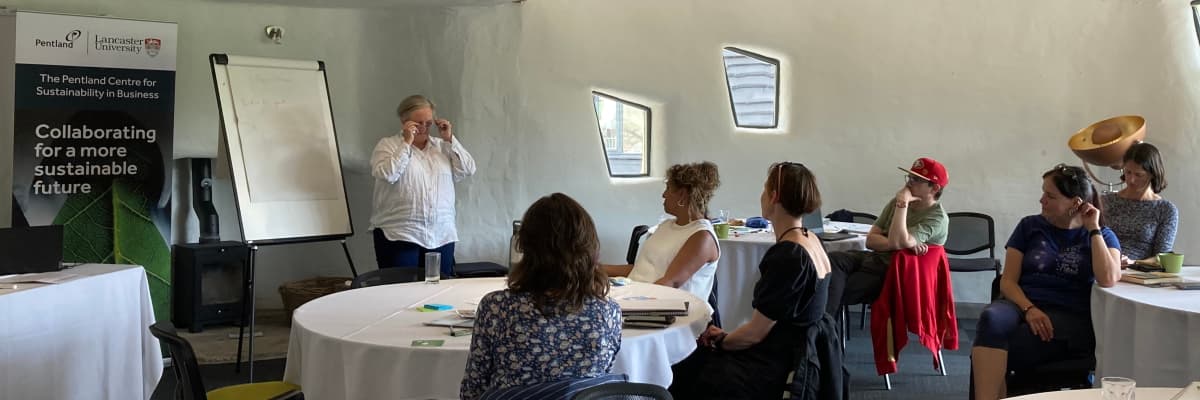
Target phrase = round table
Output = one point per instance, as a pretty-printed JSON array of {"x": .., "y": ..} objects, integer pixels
[
  {"x": 1148, "y": 334},
  {"x": 737, "y": 272},
  {"x": 357, "y": 344},
  {"x": 1154, "y": 393}
]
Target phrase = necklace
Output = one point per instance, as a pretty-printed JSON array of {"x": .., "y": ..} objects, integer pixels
[{"x": 802, "y": 229}]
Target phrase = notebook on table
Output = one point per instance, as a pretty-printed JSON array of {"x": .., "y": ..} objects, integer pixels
[{"x": 1151, "y": 278}]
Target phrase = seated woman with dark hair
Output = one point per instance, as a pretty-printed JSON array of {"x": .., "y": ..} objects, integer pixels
[
  {"x": 1053, "y": 258},
  {"x": 754, "y": 360},
  {"x": 1143, "y": 221},
  {"x": 555, "y": 321}
]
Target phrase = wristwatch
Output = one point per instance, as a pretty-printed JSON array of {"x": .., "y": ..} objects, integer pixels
[
  {"x": 1094, "y": 232},
  {"x": 1025, "y": 310}
]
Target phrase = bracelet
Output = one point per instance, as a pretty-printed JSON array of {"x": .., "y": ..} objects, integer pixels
[
  {"x": 901, "y": 204},
  {"x": 1027, "y": 308}
]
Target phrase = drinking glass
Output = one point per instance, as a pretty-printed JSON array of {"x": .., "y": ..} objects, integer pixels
[
  {"x": 433, "y": 267},
  {"x": 1117, "y": 388}
]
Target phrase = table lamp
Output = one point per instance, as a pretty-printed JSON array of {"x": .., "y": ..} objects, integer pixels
[{"x": 1104, "y": 143}]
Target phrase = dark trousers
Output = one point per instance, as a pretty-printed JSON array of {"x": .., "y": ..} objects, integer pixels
[
  {"x": 390, "y": 254},
  {"x": 1001, "y": 326},
  {"x": 857, "y": 279}
]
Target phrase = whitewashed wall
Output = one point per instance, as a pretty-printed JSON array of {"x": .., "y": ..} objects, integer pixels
[{"x": 992, "y": 89}]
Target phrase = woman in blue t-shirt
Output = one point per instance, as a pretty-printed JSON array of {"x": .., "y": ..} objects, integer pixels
[{"x": 1052, "y": 260}]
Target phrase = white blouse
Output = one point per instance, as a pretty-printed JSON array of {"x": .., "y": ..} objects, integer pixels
[
  {"x": 656, "y": 254},
  {"x": 414, "y": 189}
]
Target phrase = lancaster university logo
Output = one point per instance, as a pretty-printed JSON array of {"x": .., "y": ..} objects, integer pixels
[{"x": 152, "y": 46}]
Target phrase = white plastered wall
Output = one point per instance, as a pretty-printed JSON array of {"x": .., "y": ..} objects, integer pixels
[{"x": 992, "y": 89}]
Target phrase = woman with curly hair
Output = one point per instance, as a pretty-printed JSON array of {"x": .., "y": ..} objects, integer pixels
[{"x": 683, "y": 252}]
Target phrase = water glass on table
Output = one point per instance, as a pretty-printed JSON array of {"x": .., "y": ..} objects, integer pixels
[
  {"x": 1117, "y": 388},
  {"x": 433, "y": 267}
]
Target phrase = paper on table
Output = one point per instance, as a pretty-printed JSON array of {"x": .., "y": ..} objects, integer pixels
[
  {"x": 834, "y": 226},
  {"x": 645, "y": 304},
  {"x": 452, "y": 322},
  {"x": 44, "y": 277}
]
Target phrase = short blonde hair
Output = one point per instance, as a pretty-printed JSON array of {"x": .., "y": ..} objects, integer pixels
[{"x": 413, "y": 103}]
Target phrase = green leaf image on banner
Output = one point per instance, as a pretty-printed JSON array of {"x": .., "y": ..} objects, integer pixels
[
  {"x": 112, "y": 225},
  {"x": 87, "y": 227}
]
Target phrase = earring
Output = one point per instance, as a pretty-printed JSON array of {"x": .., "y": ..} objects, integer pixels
[{"x": 680, "y": 203}]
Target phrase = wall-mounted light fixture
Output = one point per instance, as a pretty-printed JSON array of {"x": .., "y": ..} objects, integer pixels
[{"x": 275, "y": 33}]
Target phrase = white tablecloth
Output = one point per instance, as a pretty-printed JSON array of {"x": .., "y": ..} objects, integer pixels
[
  {"x": 357, "y": 344},
  {"x": 1153, "y": 393},
  {"x": 1149, "y": 334},
  {"x": 87, "y": 338},
  {"x": 738, "y": 271}
]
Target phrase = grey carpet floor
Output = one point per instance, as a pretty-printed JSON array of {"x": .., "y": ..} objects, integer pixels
[{"x": 916, "y": 379}]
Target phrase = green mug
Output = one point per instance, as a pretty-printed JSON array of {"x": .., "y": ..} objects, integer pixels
[
  {"x": 722, "y": 230},
  {"x": 1172, "y": 263}
]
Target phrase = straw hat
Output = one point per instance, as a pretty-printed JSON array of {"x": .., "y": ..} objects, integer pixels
[{"x": 1105, "y": 142}]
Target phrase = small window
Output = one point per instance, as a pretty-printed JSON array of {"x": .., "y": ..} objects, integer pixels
[
  {"x": 1196, "y": 16},
  {"x": 625, "y": 135},
  {"x": 753, "y": 81}
]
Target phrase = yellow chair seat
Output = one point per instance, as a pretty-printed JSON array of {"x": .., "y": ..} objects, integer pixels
[{"x": 253, "y": 391}]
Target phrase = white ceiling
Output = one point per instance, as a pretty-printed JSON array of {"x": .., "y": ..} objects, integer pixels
[{"x": 377, "y": 3}]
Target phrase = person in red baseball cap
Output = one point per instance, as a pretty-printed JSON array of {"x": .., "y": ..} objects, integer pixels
[{"x": 913, "y": 219}]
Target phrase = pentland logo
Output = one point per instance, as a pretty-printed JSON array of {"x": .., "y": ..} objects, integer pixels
[{"x": 68, "y": 41}]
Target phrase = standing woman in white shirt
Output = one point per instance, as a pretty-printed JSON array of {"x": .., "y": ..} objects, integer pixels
[
  {"x": 414, "y": 188},
  {"x": 683, "y": 251}
]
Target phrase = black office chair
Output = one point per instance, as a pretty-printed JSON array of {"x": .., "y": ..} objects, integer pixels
[
  {"x": 1067, "y": 374},
  {"x": 190, "y": 386},
  {"x": 845, "y": 215},
  {"x": 624, "y": 391},
  {"x": 712, "y": 301},
  {"x": 481, "y": 269},
  {"x": 635, "y": 241},
  {"x": 971, "y": 233},
  {"x": 385, "y": 276}
]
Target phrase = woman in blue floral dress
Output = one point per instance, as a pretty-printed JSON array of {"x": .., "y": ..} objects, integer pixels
[{"x": 555, "y": 321}]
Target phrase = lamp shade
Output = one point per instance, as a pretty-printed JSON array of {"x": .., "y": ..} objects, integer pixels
[{"x": 1105, "y": 142}]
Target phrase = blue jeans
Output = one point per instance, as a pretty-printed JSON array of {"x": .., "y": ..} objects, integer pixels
[{"x": 392, "y": 254}]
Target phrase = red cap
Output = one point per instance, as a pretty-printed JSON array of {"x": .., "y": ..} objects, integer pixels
[{"x": 930, "y": 170}]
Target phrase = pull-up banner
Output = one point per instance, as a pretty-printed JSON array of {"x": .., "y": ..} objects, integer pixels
[{"x": 94, "y": 107}]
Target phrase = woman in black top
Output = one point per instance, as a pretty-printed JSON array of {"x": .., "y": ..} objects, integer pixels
[{"x": 753, "y": 361}]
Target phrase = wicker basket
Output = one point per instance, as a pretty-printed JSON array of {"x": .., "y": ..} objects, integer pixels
[{"x": 295, "y": 294}]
